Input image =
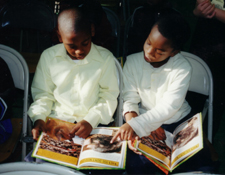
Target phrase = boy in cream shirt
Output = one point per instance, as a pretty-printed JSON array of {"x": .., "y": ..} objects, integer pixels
[{"x": 76, "y": 80}]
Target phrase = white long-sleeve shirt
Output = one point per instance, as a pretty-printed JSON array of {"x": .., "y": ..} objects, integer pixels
[
  {"x": 157, "y": 95},
  {"x": 73, "y": 91}
]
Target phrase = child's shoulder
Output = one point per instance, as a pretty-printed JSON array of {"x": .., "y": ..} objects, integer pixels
[
  {"x": 54, "y": 48},
  {"x": 180, "y": 59},
  {"x": 104, "y": 53},
  {"x": 135, "y": 60},
  {"x": 180, "y": 62},
  {"x": 135, "y": 57}
]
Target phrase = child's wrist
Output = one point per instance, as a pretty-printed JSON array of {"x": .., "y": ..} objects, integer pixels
[
  {"x": 129, "y": 112},
  {"x": 129, "y": 115}
]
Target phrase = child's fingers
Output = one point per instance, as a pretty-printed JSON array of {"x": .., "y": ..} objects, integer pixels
[
  {"x": 115, "y": 136},
  {"x": 212, "y": 15},
  {"x": 130, "y": 146},
  {"x": 210, "y": 9},
  {"x": 82, "y": 133},
  {"x": 122, "y": 135},
  {"x": 35, "y": 134},
  {"x": 204, "y": 7},
  {"x": 74, "y": 130},
  {"x": 137, "y": 137}
]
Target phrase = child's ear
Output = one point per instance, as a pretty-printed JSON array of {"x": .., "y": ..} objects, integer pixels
[
  {"x": 92, "y": 30},
  {"x": 59, "y": 36},
  {"x": 174, "y": 53}
]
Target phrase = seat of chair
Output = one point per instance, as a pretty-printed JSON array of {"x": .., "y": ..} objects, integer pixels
[
  {"x": 21, "y": 168},
  {"x": 7, "y": 148}
]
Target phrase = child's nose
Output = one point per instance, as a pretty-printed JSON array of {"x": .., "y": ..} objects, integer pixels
[
  {"x": 79, "y": 50},
  {"x": 151, "y": 51}
]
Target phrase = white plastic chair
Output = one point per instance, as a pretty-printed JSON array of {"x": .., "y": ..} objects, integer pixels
[
  {"x": 19, "y": 70},
  {"x": 23, "y": 168},
  {"x": 202, "y": 83},
  {"x": 119, "y": 110}
]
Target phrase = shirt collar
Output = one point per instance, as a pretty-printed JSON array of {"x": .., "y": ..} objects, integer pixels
[
  {"x": 93, "y": 54},
  {"x": 166, "y": 67}
]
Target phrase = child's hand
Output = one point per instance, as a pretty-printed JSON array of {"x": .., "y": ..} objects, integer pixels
[
  {"x": 205, "y": 9},
  {"x": 124, "y": 133},
  {"x": 81, "y": 129},
  {"x": 130, "y": 145},
  {"x": 39, "y": 126}
]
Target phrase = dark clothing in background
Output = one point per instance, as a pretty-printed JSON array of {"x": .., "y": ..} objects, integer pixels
[{"x": 209, "y": 44}]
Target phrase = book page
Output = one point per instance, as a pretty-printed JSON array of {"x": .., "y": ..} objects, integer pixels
[
  {"x": 157, "y": 145},
  {"x": 187, "y": 139},
  {"x": 97, "y": 149},
  {"x": 56, "y": 146}
]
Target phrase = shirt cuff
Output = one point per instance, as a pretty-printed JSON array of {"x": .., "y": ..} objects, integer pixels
[
  {"x": 129, "y": 109},
  {"x": 93, "y": 119},
  {"x": 138, "y": 129},
  {"x": 38, "y": 117}
]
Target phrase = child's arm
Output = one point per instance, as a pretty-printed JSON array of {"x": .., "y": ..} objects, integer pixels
[
  {"x": 129, "y": 115},
  {"x": 81, "y": 129},
  {"x": 103, "y": 110},
  {"x": 220, "y": 15},
  {"x": 42, "y": 91}
]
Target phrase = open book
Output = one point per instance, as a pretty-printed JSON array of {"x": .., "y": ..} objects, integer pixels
[
  {"x": 94, "y": 152},
  {"x": 168, "y": 150}
]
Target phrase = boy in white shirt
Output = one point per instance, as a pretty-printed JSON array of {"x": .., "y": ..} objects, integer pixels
[
  {"x": 156, "y": 81},
  {"x": 75, "y": 81}
]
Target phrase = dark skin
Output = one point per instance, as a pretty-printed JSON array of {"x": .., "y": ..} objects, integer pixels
[
  {"x": 39, "y": 126},
  {"x": 81, "y": 129}
]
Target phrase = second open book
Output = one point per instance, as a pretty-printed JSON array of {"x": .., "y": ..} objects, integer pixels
[
  {"x": 94, "y": 152},
  {"x": 168, "y": 150}
]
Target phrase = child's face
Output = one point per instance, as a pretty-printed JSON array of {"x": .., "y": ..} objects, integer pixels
[
  {"x": 157, "y": 48},
  {"x": 77, "y": 45}
]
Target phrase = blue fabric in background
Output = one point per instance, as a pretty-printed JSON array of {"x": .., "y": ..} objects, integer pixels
[{"x": 5, "y": 130}]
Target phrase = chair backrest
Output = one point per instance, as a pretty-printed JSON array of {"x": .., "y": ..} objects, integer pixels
[
  {"x": 128, "y": 25},
  {"x": 202, "y": 83},
  {"x": 25, "y": 23},
  {"x": 119, "y": 110},
  {"x": 115, "y": 24},
  {"x": 19, "y": 70},
  {"x": 31, "y": 14}
]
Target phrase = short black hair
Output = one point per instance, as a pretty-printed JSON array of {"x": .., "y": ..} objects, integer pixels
[
  {"x": 81, "y": 21},
  {"x": 175, "y": 28}
]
